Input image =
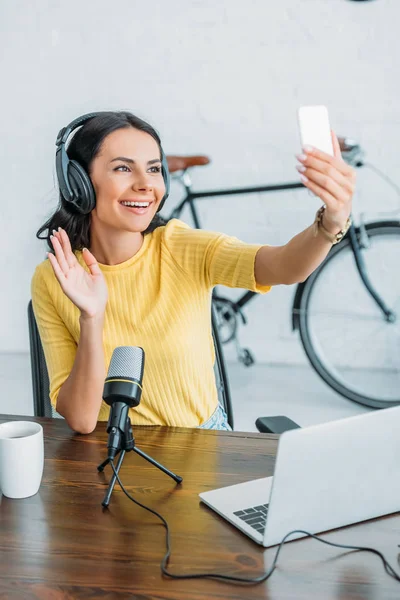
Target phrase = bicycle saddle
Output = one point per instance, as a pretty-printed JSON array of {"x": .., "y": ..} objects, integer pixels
[{"x": 181, "y": 163}]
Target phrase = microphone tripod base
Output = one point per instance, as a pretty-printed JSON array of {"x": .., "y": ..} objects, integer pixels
[{"x": 128, "y": 444}]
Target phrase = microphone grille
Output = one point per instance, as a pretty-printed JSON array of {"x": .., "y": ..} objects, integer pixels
[{"x": 127, "y": 361}]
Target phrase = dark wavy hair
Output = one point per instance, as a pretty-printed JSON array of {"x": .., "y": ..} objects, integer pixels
[{"x": 84, "y": 147}]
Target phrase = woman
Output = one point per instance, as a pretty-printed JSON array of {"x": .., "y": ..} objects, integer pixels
[{"x": 117, "y": 276}]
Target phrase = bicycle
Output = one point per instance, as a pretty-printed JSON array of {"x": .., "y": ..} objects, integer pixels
[{"x": 327, "y": 323}]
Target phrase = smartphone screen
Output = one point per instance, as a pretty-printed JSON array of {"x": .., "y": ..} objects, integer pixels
[{"x": 315, "y": 129}]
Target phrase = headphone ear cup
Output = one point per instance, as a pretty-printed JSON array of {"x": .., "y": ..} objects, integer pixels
[
  {"x": 167, "y": 180},
  {"x": 84, "y": 195}
]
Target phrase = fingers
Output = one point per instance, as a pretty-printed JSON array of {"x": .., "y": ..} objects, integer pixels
[
  {"x": 91, "y": 262},
  {"x": 65, "y": 259},
  {"x": 63, "y": 251},
  {"x": 314, "y": 165},
  {"x": 63, "y": 239},
  {"x": 330, "y": 184},
  {"x": 59, "y": 252},
  {"x": 56, "y": 268},
  {"x": 333, "y": 161},
  {"x": 329, "y": 179},
  {"x": 336, "y": 146},
  {"x": 66, "y": 246},
  {"x": 329, "y": 175}
]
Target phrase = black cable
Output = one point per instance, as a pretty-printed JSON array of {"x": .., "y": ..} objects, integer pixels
[{"x": 388, "y": 568}]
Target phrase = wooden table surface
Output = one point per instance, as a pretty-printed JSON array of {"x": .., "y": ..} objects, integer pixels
[{"x": 61, "y": 543}]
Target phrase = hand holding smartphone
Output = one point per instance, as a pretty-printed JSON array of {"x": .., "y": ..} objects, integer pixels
[
  {"x": 315, "y": 129},
  {"x": 322, "y": 170}
]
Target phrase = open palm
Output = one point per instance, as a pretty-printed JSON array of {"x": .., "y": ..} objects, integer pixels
[{"x": 87, "y": 290}]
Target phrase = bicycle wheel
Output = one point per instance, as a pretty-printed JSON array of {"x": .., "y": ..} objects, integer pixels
[
  {"x": 226, "y": 319},
  {"x": 344, "y": 332}
]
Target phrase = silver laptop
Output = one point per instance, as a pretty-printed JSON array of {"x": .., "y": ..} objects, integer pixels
[{"x": 326, "y": 476}]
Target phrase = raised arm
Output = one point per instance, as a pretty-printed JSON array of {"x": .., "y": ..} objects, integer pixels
[
  {"x": 80, "y": 396},
  {"x": 332, "y": 180}
]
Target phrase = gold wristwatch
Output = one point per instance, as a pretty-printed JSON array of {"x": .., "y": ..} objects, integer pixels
[{"x": 334, "y": 238}]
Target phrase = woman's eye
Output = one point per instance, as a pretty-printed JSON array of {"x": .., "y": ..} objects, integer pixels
[
  {"x": 155, "y": 169},
  {"x": 122, "y": 169}
]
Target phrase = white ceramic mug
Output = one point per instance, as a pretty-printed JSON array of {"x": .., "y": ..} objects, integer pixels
[{"x": 21, "y": 458}]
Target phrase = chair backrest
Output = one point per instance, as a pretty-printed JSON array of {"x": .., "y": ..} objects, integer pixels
[
  {"x": 40, "y": 378},
  {"x": 221, "y": 376},
  {"x": 41, "y": 384}
]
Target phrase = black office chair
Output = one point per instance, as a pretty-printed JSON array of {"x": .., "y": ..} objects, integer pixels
[
  {"x": 221, "y": 377},
  {"x": 41, "y": 384},
  {"x": 40, "y": 378}
]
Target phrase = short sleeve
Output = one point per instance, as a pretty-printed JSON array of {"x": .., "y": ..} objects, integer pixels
[
  {"x": 213, "y": 258},
  {"x": 58, "y": 344}
]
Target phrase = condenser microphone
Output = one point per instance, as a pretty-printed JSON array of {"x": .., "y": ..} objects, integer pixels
[{"x": 122, "y": 391}]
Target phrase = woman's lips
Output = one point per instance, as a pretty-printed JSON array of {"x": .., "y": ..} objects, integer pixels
[{"x": 137, "y": 210}]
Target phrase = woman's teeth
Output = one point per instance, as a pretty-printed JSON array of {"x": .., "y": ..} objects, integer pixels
[{"x": 137, "y": 204}]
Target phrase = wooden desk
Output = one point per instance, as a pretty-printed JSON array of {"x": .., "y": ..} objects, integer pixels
[{"x": 62, "y": 544}]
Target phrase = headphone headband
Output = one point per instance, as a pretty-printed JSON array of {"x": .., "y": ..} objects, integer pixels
[
  {"x": 73, "y": 180},
  {"x": 65, "y": 132}
]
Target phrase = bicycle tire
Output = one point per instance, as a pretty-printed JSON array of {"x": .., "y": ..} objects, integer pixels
[
  {"x": 329, "y": 373},
  {"x": 227, "y": 328}
]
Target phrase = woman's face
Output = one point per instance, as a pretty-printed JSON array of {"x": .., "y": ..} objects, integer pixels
[{"x": 127, "y": 179}]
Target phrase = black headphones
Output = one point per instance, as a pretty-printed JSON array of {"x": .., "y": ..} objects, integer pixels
[{"x": 74, "y": 182}]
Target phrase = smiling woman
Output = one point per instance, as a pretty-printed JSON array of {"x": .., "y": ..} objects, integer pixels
[
  {"x": 116, "y": 275},
  {"x": 129, "y": 188},
  {"x": 104, "y": 144}
]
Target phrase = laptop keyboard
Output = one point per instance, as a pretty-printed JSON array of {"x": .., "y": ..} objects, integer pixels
[{"x": 255, "y": 516}]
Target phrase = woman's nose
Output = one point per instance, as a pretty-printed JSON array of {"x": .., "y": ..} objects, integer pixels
[{"x": 142, "y": 182}]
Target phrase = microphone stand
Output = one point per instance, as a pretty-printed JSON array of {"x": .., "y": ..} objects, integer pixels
[{"x": 127, "y": 445}]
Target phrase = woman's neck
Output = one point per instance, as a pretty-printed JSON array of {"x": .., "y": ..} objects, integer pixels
[{"x": 113, "y": 247}]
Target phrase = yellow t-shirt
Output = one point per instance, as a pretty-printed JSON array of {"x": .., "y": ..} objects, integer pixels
[{"x": 160, "y": 299}]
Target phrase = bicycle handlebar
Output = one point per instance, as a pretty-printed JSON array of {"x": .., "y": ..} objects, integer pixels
[{"x": 352, "y": 152}]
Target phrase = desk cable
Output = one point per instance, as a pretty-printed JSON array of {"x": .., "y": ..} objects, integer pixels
[{"x": 219, "y": 576}]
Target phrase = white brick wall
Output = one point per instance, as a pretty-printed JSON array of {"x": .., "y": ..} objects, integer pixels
[{"x": 222, "y": 78}]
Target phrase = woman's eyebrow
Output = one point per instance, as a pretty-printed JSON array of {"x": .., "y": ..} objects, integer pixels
[{"x": 131, "y": 161}]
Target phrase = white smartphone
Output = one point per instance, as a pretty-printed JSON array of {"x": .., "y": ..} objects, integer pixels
[{"x": 315, "y": 129}]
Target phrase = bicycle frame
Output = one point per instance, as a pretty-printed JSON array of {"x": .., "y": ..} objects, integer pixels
[
  {"x": 191, "y": 196},
  {"x": 362, "y": 270},
  {"x": 357, "y": 236}
]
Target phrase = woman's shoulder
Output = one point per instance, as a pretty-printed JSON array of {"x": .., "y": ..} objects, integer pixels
[
  {"x": 177, "y": 230},
  {"x": 173, "y": 230},
  {"x": 43, "y": 278},
  {"x": 175, "y": 226},
  {"x": 43, "y": 270}
]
